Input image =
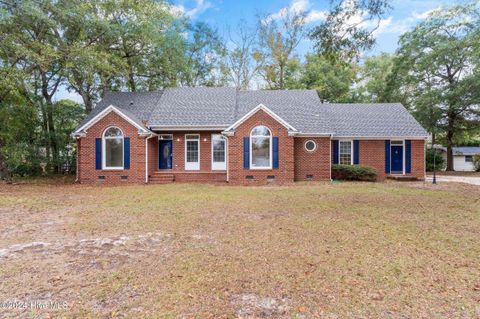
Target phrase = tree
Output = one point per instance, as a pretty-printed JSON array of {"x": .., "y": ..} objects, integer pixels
[
  {"x": 333, "y": 81},
  {"x": 278, "y": 40},
  {"x": 137, "y": 29},
  {"x": 349, "y": 28},
  {"x": 243, "y": 59},
  {"x": 205, "y": 55},
  {"x": 438, "y": 63},
  {"x": 374, "y": 78}
]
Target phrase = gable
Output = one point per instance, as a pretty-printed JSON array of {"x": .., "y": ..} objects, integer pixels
[
  {"x": 123, "y": 114},
  {"x": 231, "y": 129}
]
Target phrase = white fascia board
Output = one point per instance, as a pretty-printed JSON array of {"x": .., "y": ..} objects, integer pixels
[
  {"x": 188, "y": 127},
  {"x": 300, "y": 134},
  {"x": 266, "y": 110},
  {"x": 103, "y": 113}
]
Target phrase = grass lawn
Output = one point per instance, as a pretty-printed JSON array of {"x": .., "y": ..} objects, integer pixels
[{"x": 345, "y": 250}]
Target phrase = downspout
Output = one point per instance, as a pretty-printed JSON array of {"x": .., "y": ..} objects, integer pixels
[
  {"x": 78, "y": 152},
  {"x": 330, "y": 157},
  {"x": 228, "y": 159},
  {"x": 146, "y": 156}
]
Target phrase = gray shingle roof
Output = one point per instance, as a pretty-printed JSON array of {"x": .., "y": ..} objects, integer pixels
[
  {"x": 464, "y": 150},
  {"x": 195, "y": 106},
  {"x": 373, "y": 120},
  {"x": 302, "y": 109}
]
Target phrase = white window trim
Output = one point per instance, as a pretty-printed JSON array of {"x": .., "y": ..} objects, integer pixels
[
  {"x": 192, "y": 166},
  {"x": 403, "y": 156},
  {"x": 314, "y": 148},
  {"x": 219, "y": 166},
  {"x": 165, "y": 137},
  {"x": 104, "y": 152},
  {"x": 351, "y": 151},
  {"x": 270, "y": 146}
]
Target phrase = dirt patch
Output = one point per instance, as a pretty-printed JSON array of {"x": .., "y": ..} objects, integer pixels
[{"x": 312, "y": 250}]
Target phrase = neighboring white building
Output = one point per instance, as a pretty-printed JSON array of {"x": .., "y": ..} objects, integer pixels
[{"x": 462, "y": 157}]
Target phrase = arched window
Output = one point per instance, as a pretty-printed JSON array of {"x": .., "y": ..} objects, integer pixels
[
  {"x": 113, "y": 148},
  {"x": 260, "y": 148}
]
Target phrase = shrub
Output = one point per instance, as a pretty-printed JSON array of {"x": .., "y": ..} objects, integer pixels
[
  {"x": 476, "y": 162},
  {"x": 354, "y": 173},
  {"x": 439, "y": 161}
]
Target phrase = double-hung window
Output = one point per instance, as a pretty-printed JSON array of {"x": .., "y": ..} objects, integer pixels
[
  {"x": 345, "y": 153},
  {"x": 219, "y": 161},
  {"x": 192, "y": 152},
  {"x": 113, "y": 148},
  {"x": 260, "y": 148}
]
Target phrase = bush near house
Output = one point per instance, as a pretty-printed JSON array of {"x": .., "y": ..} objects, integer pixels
[
  {"x": 354, "y": 173},
  {"x": 476, "y": 162},
  {"x": 439, "y": 161}
]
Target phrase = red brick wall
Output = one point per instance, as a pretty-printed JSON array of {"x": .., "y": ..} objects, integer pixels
[
  {"x": 316, "y": 163},
  {"x": 372, "y": 153},
  {"x": 152, "y": 155},
  {"x": 86, "y": 153},
  {"x": 205, "y": 174},
  {"x": 205, "y": 151},
  {"x": 284, "y": 173},
  {"x": 418, "y": 159}
]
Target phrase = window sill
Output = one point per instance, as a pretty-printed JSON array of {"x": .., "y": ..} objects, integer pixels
[{"x": 111, "y": 169}]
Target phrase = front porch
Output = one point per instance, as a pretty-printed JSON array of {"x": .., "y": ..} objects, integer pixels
[{"x": 168, "y": 176}]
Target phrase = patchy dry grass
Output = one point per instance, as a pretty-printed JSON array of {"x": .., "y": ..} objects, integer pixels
[{"x": 344, "y": 250}]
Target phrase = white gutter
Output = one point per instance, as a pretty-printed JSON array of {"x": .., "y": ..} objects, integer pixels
[
  {"x": 188, "y": 127},
  {"x": 146, "y": 156}
]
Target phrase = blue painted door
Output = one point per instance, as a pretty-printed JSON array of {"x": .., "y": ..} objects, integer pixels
[
  {"x": 397, "y": 159},
  {"x": 165, "y": 157}
]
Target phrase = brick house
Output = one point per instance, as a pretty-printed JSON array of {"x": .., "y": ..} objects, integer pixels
[{"x": 242, "y": 137}]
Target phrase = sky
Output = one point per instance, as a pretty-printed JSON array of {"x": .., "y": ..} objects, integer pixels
[{"x": 226, "y": 14}]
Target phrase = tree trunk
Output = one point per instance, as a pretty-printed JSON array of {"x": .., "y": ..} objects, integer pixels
[
  {"x": 450, "y": 143},
  {"x": 87, "y": 101},
  {"x": 282, "y": 71},
  {"x": 4, "y": 171},
  {"x": 131, "y": 76},
  {"x": 52, "y": 138}
]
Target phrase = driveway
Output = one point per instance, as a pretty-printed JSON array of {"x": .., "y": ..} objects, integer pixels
[{"x": 456, "y": 179}]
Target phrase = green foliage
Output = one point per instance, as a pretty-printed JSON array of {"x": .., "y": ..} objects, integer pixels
[
  {"x": 476, "y": 162},
  {"x": 354, "y": 172},
  {"x": 430, "y": 154},
  {"x": 374, "y": 82},
  {"x": 341, "y": 37},
  {"x": 438, "y": 70},
  {"x": 333, "y": 81}
]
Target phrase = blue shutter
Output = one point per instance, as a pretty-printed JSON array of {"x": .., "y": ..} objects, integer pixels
[
  {"x": 408, "y": 156},
  {"x": 356, "y": 152},
  {"x": 275, "y": 153},
  {"x": 246, "y": 152},
  {"x": 98, "y": 153},
  {"x": 387, "y": 156},
  {"x": 126, "y": 153},
  {"x": 335, "y": 152}
]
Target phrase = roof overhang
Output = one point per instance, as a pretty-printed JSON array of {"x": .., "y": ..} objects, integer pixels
[
  {"x": 231, "y": 129},
  {"x": 82, "y": 130},
  {"x": 188, "y": 127},
  {"x": 380, "y": 137}
]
